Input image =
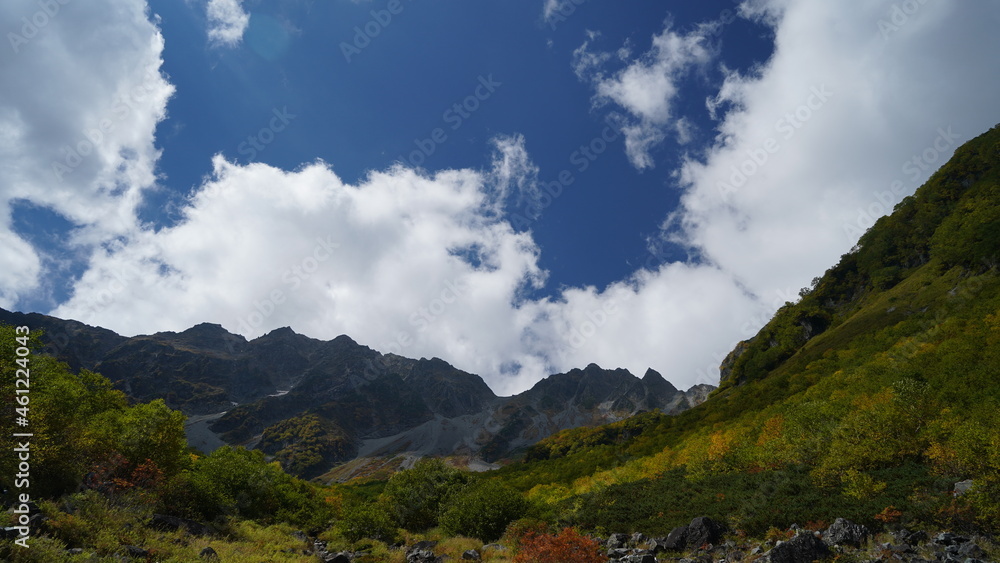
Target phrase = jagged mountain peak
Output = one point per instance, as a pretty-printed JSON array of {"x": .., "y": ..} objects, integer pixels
[{"x": 249, "y": 392}]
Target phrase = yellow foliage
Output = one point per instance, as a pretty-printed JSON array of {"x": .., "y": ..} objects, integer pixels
[
  {"x": 719, "y": 445},
  {"x": 772, "y": 430}
]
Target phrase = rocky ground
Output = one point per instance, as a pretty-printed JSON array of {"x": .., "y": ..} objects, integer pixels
[{"x": 705, "y": 541}]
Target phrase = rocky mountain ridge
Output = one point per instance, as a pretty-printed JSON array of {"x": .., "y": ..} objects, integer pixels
[{"x": 313, "y": 404}]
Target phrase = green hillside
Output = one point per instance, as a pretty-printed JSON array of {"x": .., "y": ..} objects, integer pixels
[{"x": 879, "y": 388}]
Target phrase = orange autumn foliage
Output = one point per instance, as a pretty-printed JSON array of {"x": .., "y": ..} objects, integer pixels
[{"x": 568, "y": 546}]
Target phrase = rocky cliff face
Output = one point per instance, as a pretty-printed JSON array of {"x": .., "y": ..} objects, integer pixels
[{"x": 312, "y": 404}]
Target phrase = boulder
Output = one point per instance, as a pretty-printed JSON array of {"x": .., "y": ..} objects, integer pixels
[
  {"x": 341, "y": 557},
  {"x": 638, "y": 538},
  {"x": 208, "y": 553},
  {"x": 912, "y": 538},
  {"x": 970, "y": 550},
  {"x": 423, "y": 545},
  {"x": 471, "y": 555},
  {"x": 676, "y": 540},
  {"x": 639, "y": 558},
  {"x": 948, "y": 538},
  {"x": 962, "y": 487},
  {"x": 617, "y": 541},
  {"x": 845, "y": 532},
  {"x": 421, "y": 556},
  {"x": 702, "y": 531},
  {"x": 617, "y": 553},
  {"x": 657, "y": 545},
  {"x": 803, "y": 548}
]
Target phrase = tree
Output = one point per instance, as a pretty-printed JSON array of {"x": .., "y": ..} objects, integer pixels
[
  {"x": 415, "y": 496},
  {"x": 484, "y": 510}
]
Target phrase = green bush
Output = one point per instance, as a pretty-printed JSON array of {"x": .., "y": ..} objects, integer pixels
[
  {"x": 415, "y": 496},
  {"x": 484, "y": 510},
  {"x": 367, "y": 520}
]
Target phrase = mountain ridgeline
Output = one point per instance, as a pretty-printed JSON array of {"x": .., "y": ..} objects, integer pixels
[{"x": 313, "y": 404}]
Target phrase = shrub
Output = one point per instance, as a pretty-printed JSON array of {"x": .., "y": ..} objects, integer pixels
[
  {"x": 415, "y": 496},
  {"x": 483, "y": 511},
  {"x": 367, "y": 520},
  {"x": 569, "y": 546}
]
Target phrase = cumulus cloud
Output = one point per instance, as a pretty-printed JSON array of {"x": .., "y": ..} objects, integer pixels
[
  {"x": 647, "y": 87},
  {"x": 226, "y": 22},
  {"x": 412, "y": 264},
  {"x": 76, "y": 124}
]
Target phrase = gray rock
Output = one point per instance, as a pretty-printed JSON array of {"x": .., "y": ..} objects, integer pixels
[
  {"x": 657, "y": 545},
  {"x": 639, "y": 558},
  {"x": 962, "y": 487},
  {"x": 948, "y": 538},
  {"x": 638, "y": 538},
  {"x": 676, "y": 540},
  {"x": 845, "y": 532},
  {"x": 702, "y": 531},
  {"x": 617, "y": 541},
  {"x": 420, "y": 556},
  {"x": 471, "y": 555},
  {"x": 971, "y": 550},
  {"x": 803, "y": 548},
  {"x": 617, "y": 553}
]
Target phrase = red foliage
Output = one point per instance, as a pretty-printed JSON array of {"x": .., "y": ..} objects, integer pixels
[
  {"x": 569, "y": 546},
  {"x": 888, "y": 514},
  {"x": 117, "y": 475}
]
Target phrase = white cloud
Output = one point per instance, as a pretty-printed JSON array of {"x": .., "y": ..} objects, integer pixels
[
  {"x": 226, "y": 22},
  {"x": 647, "y": 87},
  {"x": 76, "y": 125}
]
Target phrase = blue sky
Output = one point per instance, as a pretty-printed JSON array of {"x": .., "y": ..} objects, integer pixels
[
  {"x": 517, "y": 187},
  {"x": 361, "y": 109}
]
